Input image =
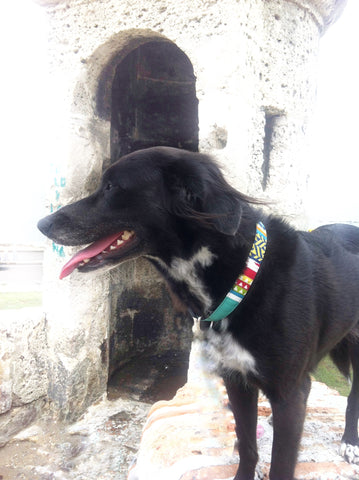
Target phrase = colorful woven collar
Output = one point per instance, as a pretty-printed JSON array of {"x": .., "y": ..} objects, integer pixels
[{"x": 245, "y": 279}]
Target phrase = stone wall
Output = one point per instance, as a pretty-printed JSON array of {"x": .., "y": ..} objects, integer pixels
[
  {"x": 254, "y": 63},
  {"x": 23, "y": 369}
]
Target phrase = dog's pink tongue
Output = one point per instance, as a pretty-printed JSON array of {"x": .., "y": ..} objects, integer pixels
[{"x": 88, "y": 252}]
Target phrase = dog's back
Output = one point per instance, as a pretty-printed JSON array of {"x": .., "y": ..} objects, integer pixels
[
  {"x": 346, "y": 235},
  {"x": 338, "y": 274}
]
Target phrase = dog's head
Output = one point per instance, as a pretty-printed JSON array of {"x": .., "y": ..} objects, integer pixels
[{"x": 157, "y": 202}]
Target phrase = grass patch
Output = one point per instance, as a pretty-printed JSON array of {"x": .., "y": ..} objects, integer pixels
[
  {"x": 15, "y": 300},
  {"x": 328, "y": 373}
]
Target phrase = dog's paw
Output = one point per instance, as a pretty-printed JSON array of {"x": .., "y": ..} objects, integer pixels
[
  {"x": 259, "y": 475},
  {"x": 350, "y": 453}
]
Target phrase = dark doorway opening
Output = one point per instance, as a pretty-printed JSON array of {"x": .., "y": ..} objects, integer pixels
[
  {"x": 150, "y": 378},
  {"x": 149, "y": 341},
  {"x": 153, "y": 103},
  {"x": 154, "y": 100}
]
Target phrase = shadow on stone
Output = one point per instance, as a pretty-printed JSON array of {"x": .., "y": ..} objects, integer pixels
[{"x": 150, "y": 378}]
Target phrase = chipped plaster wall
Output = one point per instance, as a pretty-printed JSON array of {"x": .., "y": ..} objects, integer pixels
[
  {"x": 255, "y": 63},
  {"x": 249, "y": 58}
]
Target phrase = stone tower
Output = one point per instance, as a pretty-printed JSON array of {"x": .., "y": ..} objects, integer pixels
[{"x": 240, "y": 80}]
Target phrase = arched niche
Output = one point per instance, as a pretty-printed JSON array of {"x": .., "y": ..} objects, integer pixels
[
  {"x": 154, "y": 100},
  {"x": 142, "y": 92}
]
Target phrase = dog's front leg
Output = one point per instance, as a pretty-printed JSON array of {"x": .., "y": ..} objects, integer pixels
[
  {"x": 288, "y": 420},
  {"x": 244, "y": 399}
]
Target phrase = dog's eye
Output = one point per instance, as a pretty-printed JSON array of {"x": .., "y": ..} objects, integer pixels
[{"x": 108, "y": 186}]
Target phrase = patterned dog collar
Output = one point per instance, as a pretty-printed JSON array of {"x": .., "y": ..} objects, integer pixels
[{"x": 245, "y": 279}]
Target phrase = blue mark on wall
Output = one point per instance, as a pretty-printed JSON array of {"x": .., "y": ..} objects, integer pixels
[
  {"x": 54, "y": 208},
  {"x": 59, "y": 249},
  {"x": 59, "y": 183}
]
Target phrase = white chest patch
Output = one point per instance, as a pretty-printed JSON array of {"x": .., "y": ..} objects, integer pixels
[
  {"x": 223, "y": 352},
  {"x": 187, "y": 271}
]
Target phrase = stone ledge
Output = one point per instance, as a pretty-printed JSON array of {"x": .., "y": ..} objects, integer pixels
[
  {"x": 192, "y": 436},
  {"x": 196, "y": 424}
]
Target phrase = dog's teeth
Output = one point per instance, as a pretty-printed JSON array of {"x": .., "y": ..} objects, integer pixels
[
  {"x": 86, "y": 260},
  {"x": 119, "y": 242},
  {"x": 126, "y": 235},
  {"x": 81, "y": 264},
  {"x": 112, "y": 247}
]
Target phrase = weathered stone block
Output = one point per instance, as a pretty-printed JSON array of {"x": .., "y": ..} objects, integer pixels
[
  {"x": 19, "y": 418},
  {"x": 23, "y": 355}
]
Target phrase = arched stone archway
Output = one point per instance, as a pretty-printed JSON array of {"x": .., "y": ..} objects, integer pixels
[
  {"x": 142, "y": 91},
  {"x": 154, "y": 100}
]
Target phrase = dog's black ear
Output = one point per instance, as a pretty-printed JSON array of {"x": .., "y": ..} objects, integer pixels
[
  {"x": 200, "y": 193},
  {"x": 225, "y": 212}
]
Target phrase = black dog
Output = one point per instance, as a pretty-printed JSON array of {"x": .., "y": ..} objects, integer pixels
[{"x": 175, "y": 208}]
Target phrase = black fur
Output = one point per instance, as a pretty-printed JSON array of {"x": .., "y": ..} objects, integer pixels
[{"x": 304, "y": 302}]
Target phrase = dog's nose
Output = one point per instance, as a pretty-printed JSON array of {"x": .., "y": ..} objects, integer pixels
[{"x": 45, "y": 224}]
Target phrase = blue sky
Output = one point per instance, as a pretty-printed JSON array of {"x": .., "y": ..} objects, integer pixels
[{"x": 26, "y": 122}]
